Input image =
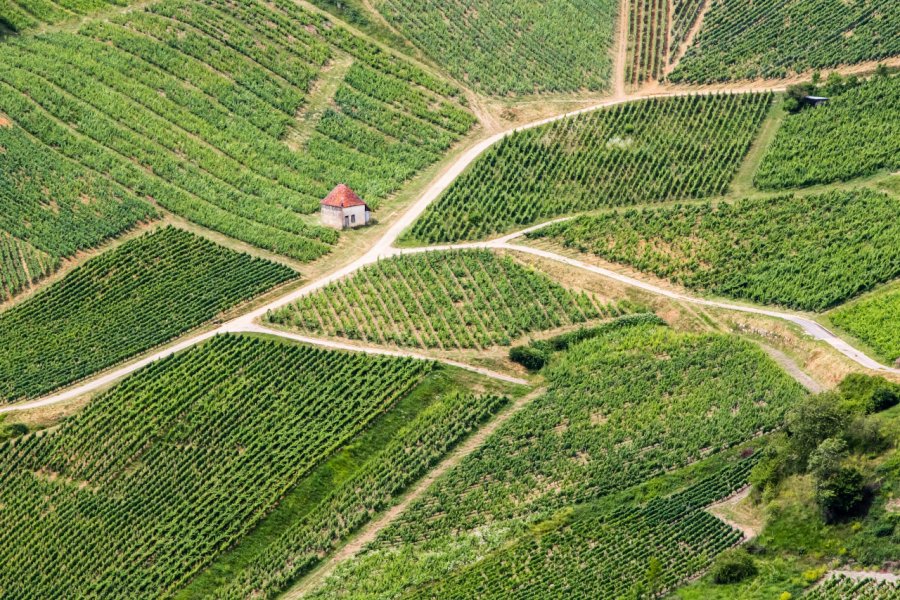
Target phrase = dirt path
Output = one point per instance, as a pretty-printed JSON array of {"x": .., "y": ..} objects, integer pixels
[
  {"x": 792, "y": 369},
  {"x": 688, "y": 40},
  {"x": 732, "y": 512},
  {"x": 371, "y": 531},
  {"x": 621, "y": 57}
]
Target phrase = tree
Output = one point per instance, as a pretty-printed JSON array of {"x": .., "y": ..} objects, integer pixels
[
  {"x": 825, "y": 461},
  {"x": 841, "y": 494},
  {"x": 733, "y": 566},
  {"x": 811, "y": 422}
]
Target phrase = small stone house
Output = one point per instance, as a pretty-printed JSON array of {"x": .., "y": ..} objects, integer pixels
[{"x": 343, "y": 209}]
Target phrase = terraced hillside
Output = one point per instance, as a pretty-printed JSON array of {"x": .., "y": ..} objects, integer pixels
[
  {"x": 645, "y": 151},
  {"x": 857, "y": 133},
  {"x": 446, "y": 300},
  {"x": 628, "y": 405},
  {"x": 129, "y": 299},
  {"x": 748, "y": 39},
  {"x": 174, "y": 465},
  {"x": 809, "y": 252},
  {"x": 512, "y": 46},
  {"x": 192, "y": 105}
]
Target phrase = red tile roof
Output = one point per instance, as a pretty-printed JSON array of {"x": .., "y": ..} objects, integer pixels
[{"x": 342, "y": 197}]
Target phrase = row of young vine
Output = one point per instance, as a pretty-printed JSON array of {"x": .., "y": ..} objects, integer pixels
[
  {"x": 446, "y": 300},
  {"x": 873, "y": 319},
  {"x": 633, "y": 403},
  {"x": 509, "y": 46},
  {"x": 808, "y": 252},
  {"x": 128, "y": 299},
  {"x": 846, "y": 588},
  {"x": 157, "y": 477},
  {"x": 856, "y": 133},
  {"x": 187, "y": 103},
  {"x": 646, "y": 151},
  {"x": 648, "y": 40},
  {"x": 748, "y": 39},
  {"x": 20, "y": 15}
]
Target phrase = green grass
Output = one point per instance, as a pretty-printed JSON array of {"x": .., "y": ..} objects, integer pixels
[{"x": 335, "y": 471}]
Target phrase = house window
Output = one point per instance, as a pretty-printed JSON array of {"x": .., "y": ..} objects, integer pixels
[
  {"x": 353, "y": 218},
  {"x": 346, "y": 221}
]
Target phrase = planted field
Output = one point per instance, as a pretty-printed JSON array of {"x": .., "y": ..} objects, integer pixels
[
  {"x": 156, "y": 477},
  {"x": 141, "y": 294},
  {"x": 844, "y": 588},
  {"x": 631, "y": 404},
  {"x": 19, "y": 15},
  {"x": 446, "y": 300},
  {"x": 190, "y": 103},
  {"x": 50, "y": 209},
  {"x": 856, "y": 133},
  {"x": 621, "y": 544},
  {"x": 808, "y": 252},
  {"x": 648, "y": 40},
  {"x": 874, "y": 320},
  {"x": 685, "y": 14},
  {"x": 748, "y": 39},
  {"x": 411, "y": 453},
  {"x": 512, "y": 46},
  {"x": 646, "y": 151}
]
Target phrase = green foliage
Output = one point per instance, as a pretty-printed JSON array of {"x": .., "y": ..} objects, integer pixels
[
  {"x": 21, "y": 15},
  {"x": 748, "y": 39},
  {"x": 645, "y": 151},
  {"x": 869, "y": 393},
  {"x": 129, "y": 299},
  {"x": 873, "y": 319},
  {"x": 512, "y": 46},
  {"x": 845, "y": 588},
  {"x": 468, "y": 299},
  {"x": 807, "y": 252},
  {"x": 840, "y": 493},
  {"x": 188, "y": 103},
  {"x": 733, "y": 567},
  {"x": 856, "y": 133},
  {"x": 648, "y": 29},
  {"x": 178, "y": 462},
  {"x": 529, "y": 357}
]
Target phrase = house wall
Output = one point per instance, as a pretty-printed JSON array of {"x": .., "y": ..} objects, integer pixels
[
  {"x": 357, "y": 214},
  {"x": 332, "y": 217}
]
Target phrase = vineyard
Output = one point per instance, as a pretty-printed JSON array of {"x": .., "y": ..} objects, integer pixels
[
  {"x": 809, "y": 252},
  {"x": 512, "y": 46},
  {"x": 748, "y": 39},
  {"x": 856, "y": 133},
  {"x": 178, "y": 462},
  {"x": 188, "y": 103},
  {"x": 19, "y": 15},
  {"x": 844, "y": 588},
  {"x": 684, "y": 16},
  {"x": 129, "y": 299},
  {"x": 50, "y": 209},
  {"x": 407, "y": 457},
  {"x": 648, "y": 40},
  {"x": 646, "y": 151},
  {"x": 621, "y": 544},
  {"x": 444, "y": 300},
  {"x": 873, "y": 319},
  {"x": 621, "y": 408}
]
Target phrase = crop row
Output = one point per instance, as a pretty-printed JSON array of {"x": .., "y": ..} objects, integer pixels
[
  {"x": 646, "y": 151},
  {"x": 684, "y": 16},
  {"x": 512, "y": 46},
  {"x": 808, "y": 252},
  {"x": 408, "y": 456},
  {"x": 446, "y": 300},
  {"x": 748, "y": 39},
  {"x": 620, "y": 408},
  {"x": 648, "y": 40},
  {"x": 873, "y": 319},
  {"x": 608, "y": 553},
  {"x": 856, "y": 133},
  {"x": 19, "y": 15},
  {"x": 21, "y": 265},
  {"x": 637, "y": 401},
  {"x": 129, "y": 299},
  {"x": 187, "y": 103},
  {"x": 158, "y": 476},
  {"x": 845, "y": 588}
]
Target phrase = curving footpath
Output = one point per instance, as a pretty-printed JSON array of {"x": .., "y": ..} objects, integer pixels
[{"x": 384, "y": 248}]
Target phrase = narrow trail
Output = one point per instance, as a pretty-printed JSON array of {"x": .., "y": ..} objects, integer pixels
[
  {"x": 620, "y": 60},
  {"x": 371, "y": 531},
  {"x": 384, "y": 248}
]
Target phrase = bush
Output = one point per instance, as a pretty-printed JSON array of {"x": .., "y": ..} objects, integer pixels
[
  {"x": 733, "y": 567},
  {"x": 841, "y": 494},
  {"x": 529, "y": 357},
  {"x": 868, "y": 393}
]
